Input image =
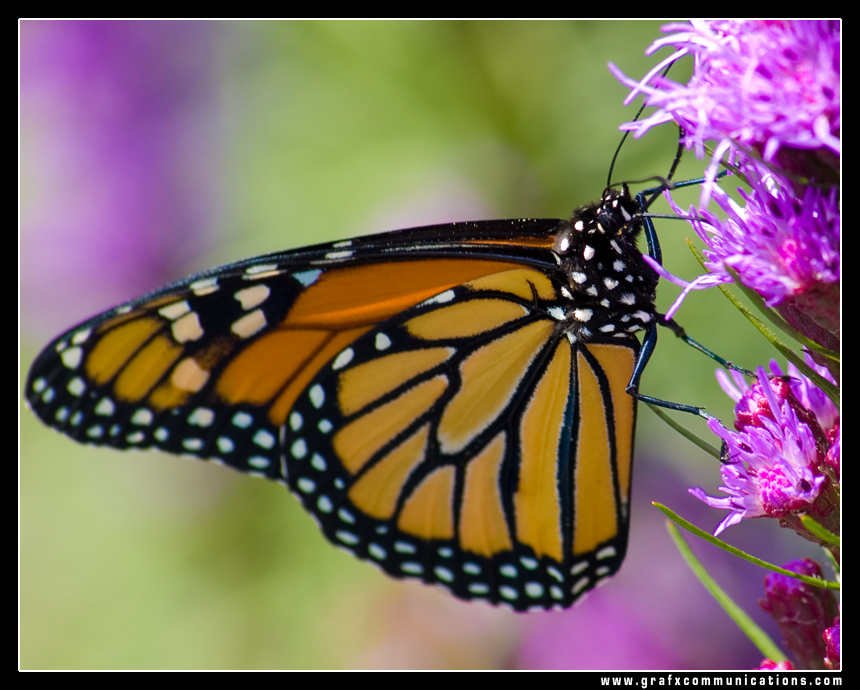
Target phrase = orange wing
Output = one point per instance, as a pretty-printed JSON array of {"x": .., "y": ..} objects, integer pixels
[{"x": 418, "y": 391}]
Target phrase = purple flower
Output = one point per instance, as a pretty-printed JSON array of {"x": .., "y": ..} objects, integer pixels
[
  {"x": 777, "y": 457},
  {"x": 812, "y": 406},
  {"x": 784, "y": 247},
  {"x": 760, "y": 85},
  {"x": 766, "y": 95},
  {"x": 803, "y": 612},
  {"x": 833, "y": 645}
]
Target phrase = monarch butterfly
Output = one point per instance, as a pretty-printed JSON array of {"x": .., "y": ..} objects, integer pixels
[{"x": 450, "y": 403}]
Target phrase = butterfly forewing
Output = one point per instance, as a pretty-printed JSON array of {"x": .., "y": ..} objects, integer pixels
[{"x": 210, "y": 366}]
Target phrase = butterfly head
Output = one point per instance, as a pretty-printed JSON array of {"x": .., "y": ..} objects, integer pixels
[{"x": 619, "y": 214}]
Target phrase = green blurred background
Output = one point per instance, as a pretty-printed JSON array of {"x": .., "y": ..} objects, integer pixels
[{"x": 291, "y": 133}]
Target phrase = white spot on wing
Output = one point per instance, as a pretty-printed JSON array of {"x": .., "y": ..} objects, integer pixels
[
  {"x": 187, "y": 328},
  {"x": 344, "y": 358},
  {"x": 253, "y": 296},
  {"x": 142, "y": 417},
  {"x": 201, "y": 417},
  {"x": 264, "y": 439},
  {"x": 76, "y": 386},
  {"x": 259, "y": 269},
  {"x": 242, "y": 420},
  {"x": 317, "y": 395},
  {"x": 606, "y": 552},
  {"x": 299, "y": 449},
  {"x": 579, "y": 585},
  {"x": 248, "y": 325},
  {"x": 175, "y": 310},
  {"x": 105, "y": 408},
  {"x": 443, "y": 574},
  {"x": 192, "y": 444},
  {"x": 382, "y": 341},
  {"x": 72, "y": 357},
  {"x": 534, "y": 590},
  {"x": 441, "y": 298},
  {"x": 204, "y": 286}
]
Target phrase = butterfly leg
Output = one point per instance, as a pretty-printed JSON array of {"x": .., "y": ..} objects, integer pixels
[
  {"x": 678, "y": 330},
  {"x": 645, "y": 353}
]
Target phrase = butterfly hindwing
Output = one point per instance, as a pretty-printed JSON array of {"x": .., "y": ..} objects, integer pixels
[{"x": 443, "y": 446}]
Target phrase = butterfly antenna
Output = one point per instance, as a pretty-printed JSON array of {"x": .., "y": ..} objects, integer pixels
[
  {"x": 618, "y": 149},
  {"x": 678, "y": 153},
  {"x": 627, "y": 133}
]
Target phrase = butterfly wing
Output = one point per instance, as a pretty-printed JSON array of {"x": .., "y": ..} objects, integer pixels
[
  {"x": 416, "y": 390},
  {"x": 468, "y": 443}
]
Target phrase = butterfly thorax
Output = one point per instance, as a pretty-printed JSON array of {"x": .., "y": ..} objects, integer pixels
[{"x": 611, "y": 289}]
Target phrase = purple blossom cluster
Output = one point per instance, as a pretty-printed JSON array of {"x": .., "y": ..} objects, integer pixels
[
  {"x": 765, "y": 96},
  {"x": 764, "y": 101},
  {"x": 782, "y": 460},
  {"x": 757, "y": 86}
]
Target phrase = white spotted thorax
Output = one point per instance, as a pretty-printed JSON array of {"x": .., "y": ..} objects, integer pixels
[{"x": 611, "y": 288}]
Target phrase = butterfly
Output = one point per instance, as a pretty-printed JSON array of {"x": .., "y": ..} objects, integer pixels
[{"x": 455, "y": 403}]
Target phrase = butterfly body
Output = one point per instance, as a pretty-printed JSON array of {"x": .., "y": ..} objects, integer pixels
[{"x": 447, "y": 402}]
